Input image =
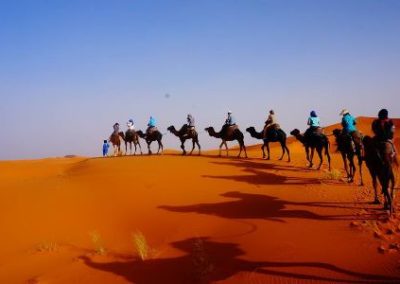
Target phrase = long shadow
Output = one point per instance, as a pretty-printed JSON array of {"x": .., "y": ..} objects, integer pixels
[
  {"x": 260, "y": 174},
  {"x": 256, "y": 206},
  {"x": 206, "y": 261}
]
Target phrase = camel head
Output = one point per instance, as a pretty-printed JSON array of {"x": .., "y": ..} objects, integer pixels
[
  {"x": 251, "y": 129},
  {"x": 336, "y": 132},
  {"x": 295, "y": 132},
  {"x": 171, "y": 128}
]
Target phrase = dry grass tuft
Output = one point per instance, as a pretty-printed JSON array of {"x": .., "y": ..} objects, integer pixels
[
  {"x": 141, "y": 247},
  {"x": 98, "y": 243},
  {"x": 334, "y": 174}
]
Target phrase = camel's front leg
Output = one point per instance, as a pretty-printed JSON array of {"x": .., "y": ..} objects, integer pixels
[
  {"x": 182, "y": 147},
  {"x": 226, "y": 148},
  {"x": 319, "y": 151},
  {"x": 148, "y": 147},
  {"x": 268, "y": 152},
  {"x": 220, "y": 148}
]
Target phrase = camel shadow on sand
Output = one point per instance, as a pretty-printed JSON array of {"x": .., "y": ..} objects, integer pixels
[
  {"x": 264, "y": 174},
  {"x": 206, "y": 261},
  {"x": 258, "y": 206}
]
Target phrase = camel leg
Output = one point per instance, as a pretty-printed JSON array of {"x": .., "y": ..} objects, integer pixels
[
  {"x": 198, "y": 145},
  {"x": 148, "y": 147},
  {"x": 321, "y": 159},
  {"x": 193, "y": 146},
  {"x": 220, "y": 148},
  {"x": 226, "y": 148},
  {"x": 183, "y": 147},
  {"x": 360, "y": 169},
  {"x": 267, "y": 145},
  {"x": 263, "y": 150},
  {"x": 140, "y": 148},
  {"x": 160, "y": 147},
  {"x": 245, "y": 152},
  {"x": 352, "y": 168},
  {"x": 283, "y": 151},
  {"x": 311, "y": 158},
  {"x": 307, "y": 154},
  {"x": 345, "y": 165},
  {"x": 288, "y": 152}
]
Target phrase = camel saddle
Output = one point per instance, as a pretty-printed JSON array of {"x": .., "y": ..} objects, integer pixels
[
  {"x": 151, "y": 130},
  {"x": 230, "y": 129}
]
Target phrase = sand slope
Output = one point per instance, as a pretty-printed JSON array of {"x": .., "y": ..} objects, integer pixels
[{"x": 205, "y": 219}]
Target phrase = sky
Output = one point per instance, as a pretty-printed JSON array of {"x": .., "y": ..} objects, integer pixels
[{"x": 70, "y": 69}]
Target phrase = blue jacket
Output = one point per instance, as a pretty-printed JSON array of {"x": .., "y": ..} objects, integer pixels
[
  {"x": 349, "y": 123},
  {"x": 313, "y": 121},
  {"x": 152, "y": 122}
]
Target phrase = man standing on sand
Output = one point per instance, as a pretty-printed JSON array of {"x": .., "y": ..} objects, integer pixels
[{"x": 105, "y": 148}]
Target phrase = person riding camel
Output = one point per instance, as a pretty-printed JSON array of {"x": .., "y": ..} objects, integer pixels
[
  {"x": 229, "y": 122},
  {"x": 190, "y": 123},
  {"x": 349, "y": 128},
  {"x": 314, "y": 124},
  {"x": 130, "y": 125},
  {"x": 116, "y": 128},
  {"x": 270, "y": 123},
  {"x": 384, "y": 128},
  {"x": 151, "y": 125}
]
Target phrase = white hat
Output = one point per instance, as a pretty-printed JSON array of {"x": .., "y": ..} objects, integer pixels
[
  {"x": 229, "y": 111},
  {"x": 344, "y": 111}
]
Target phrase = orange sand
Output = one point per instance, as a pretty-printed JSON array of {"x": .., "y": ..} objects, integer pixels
[{"x": 205, "y": 219}]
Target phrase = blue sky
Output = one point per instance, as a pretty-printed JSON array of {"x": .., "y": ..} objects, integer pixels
[{"x": 70, "y": 69}]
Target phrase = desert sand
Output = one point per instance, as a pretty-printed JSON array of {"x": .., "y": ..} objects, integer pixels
[{"x": 175, "y": 219}]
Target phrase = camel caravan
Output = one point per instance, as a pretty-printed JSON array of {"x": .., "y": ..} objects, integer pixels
[{"x": 378, "y": 152}]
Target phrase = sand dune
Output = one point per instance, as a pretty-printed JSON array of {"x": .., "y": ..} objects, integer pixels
[{"x": 204, "y": 219}]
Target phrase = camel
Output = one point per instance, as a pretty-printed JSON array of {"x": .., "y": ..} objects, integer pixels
[
  {"x": 132, "y": 137},
  {"x": 270, "y": 137},
  {"x": 184, "y": 134},
  {"x": 348, "y": 150},
  {"x": 315, "y": 142},
  {"x": 115, "y": 139},
  {"x": 229, "y": 135},
  {"x": 155, "y": 135},
  {"x": 379, "y": 159}
]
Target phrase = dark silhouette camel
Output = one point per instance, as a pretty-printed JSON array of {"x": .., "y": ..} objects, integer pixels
[
  {"x": 348, "y": 150},
  {"x": 132, "y": 137},
  {"x": 280, "y": 137},
  {"x": 184, "y": 134},
  {"x": 314, "y": 142},
  {"x": 115, "y": 139},
  {"x": 228, "y": 135},
  {"x": 155, "y": 135},
  {"x": 379, "y": 159}
]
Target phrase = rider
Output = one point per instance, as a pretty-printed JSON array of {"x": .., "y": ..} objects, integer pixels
[
  {"x": 229, "y": 121},
  {"x": 151, "y": 125},
  {"x": 270, "y": 123},
  {"x": 313, "y": 122},
  {"x": 384, "y": 128},
  {"x": 349, "y": 128},
  {"x": 130, "y": 124},
  {"x": 190, "y": 122}
]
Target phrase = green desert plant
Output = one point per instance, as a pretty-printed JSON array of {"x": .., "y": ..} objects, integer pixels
[{"x": 98, "y": 243}]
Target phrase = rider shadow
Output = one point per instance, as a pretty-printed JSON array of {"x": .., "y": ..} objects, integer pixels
[
  {"x": 256, "y": 206},
  {"x": 206, "y": 261}
]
